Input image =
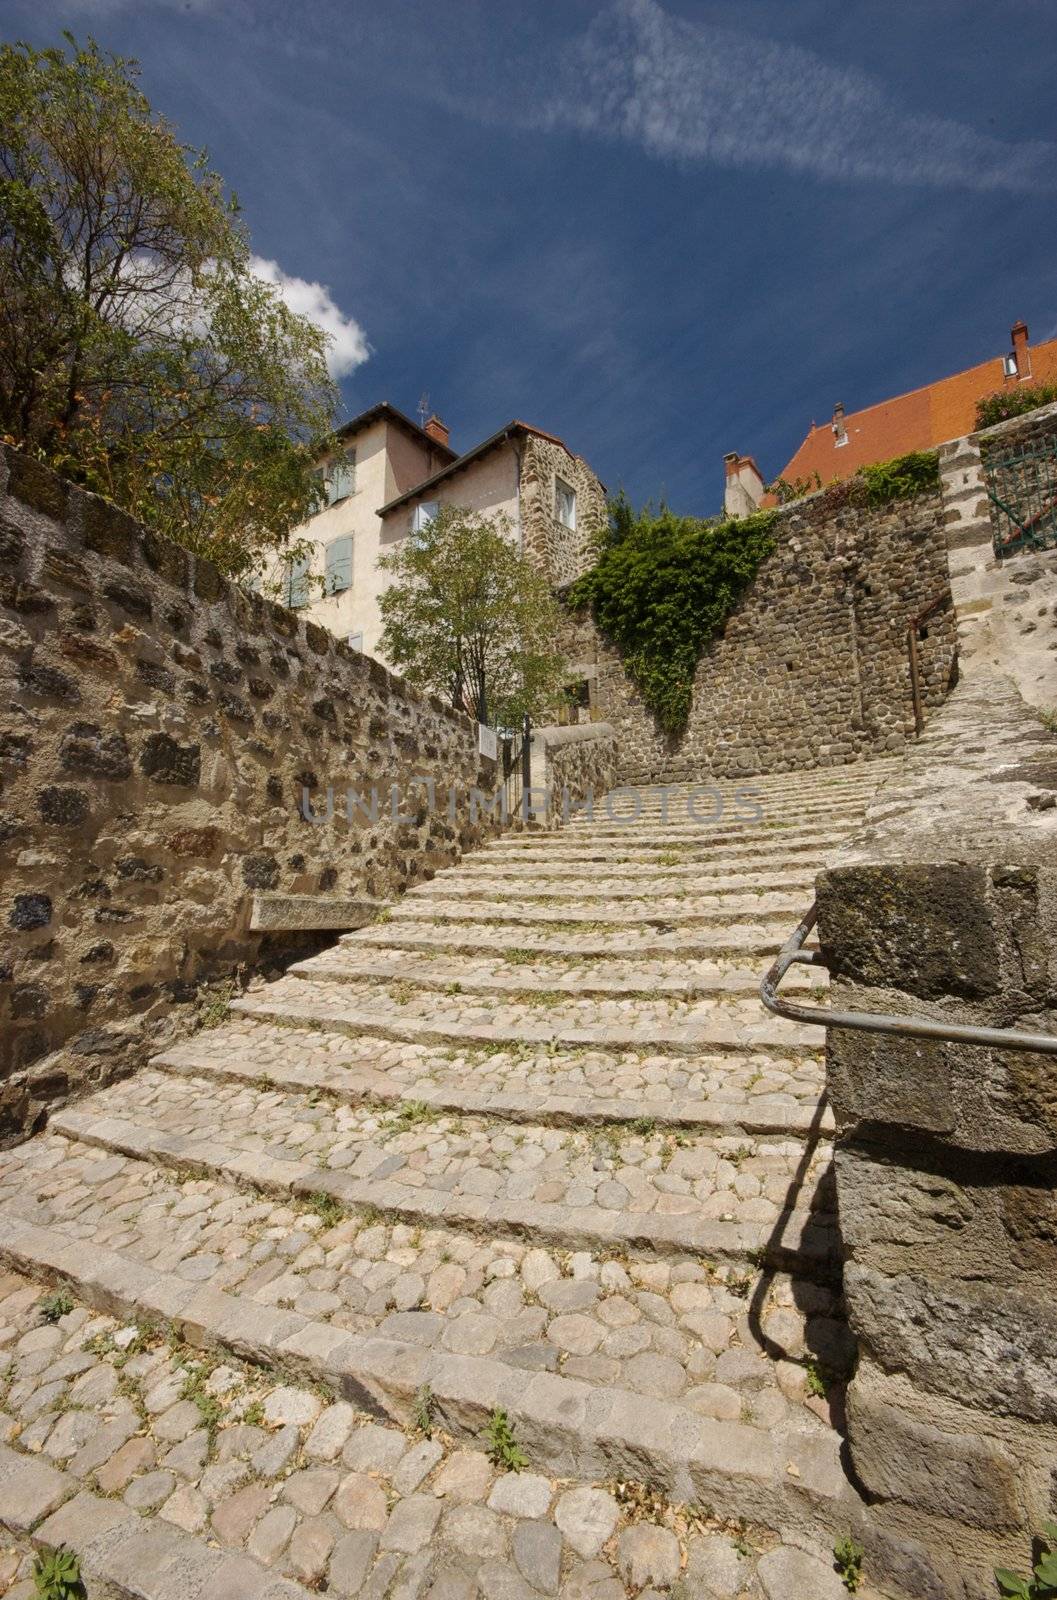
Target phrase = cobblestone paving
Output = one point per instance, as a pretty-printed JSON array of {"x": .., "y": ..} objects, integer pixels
[
  {"x": 665, "y": 1084},
  {"x": 531, "y": 1131},
  {"x": 665, "y": 1328},
  {"x": 326, "y": 1495}
]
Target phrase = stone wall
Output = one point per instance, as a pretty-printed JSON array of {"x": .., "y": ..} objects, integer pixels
[
  {"x": 563, "y": 553},
  {"x": 1007, "y": 609},
  {"x": 579, "y": 761},
  {"x": 946, "y": 906},
  {"x": 159, "y": 725},
  {"x": 812, "y": 668}
]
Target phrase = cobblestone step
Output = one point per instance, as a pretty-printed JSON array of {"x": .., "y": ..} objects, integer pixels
[
  {"x": 663, "y": 886},
  {"x": 321, "y": 1494},
  {"x": 489, "y": 974},
  {"x": 765, "y": 845},
  {"x": 329, "y": 1006},
  {"x": 753, "y": 910},
  {"x": 227, "y": 1270},
  {"x": 672, "y": 865},
  {"x": 624, "y": 1187},
  {"x": 642, "y": 942},
  {"x": 726, "y": 1094}
]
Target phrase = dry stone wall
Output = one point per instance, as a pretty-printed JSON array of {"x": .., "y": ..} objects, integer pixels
[
  {"x": 812, "y": 668},
  {"x": 1007, "y": 608},
  {"x": 158, "y": 728},
  {"x": 574, "y": 766},
  {"x": 945, "y": 905}
]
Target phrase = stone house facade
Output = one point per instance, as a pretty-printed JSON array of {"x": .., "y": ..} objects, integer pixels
[{"x": 395, "y": 475}]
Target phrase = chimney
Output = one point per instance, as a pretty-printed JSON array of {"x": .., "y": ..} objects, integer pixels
[
  {"x": 436, "y": 429},
  {"x": 1019, "y": 335},
  {"x": 840, "y": 432},
  {"x": 744, "y": 487}
]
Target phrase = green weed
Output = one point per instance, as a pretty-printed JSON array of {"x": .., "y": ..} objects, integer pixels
[
  {"x": 56, "y": 1305},
  {"x": 502, "y": 1446},
  {"x": 847, "y": 1557},
  {"x": 57, "y": 1575},
  {"x": 1042, "y": 1585}
]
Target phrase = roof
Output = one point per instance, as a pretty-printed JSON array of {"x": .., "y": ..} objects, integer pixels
[
  {"x": 384, "y": 412},
  {"x": 482, "y": 449},
  {"x": 919, "y": 420}
]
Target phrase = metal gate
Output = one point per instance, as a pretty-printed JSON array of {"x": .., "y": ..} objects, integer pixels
[{"x": 1022, "y": 490}]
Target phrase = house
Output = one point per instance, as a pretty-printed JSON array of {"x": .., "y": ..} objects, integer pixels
[
  {"x": 392, "y": 477},
  {"x": 920, "y": 420}
]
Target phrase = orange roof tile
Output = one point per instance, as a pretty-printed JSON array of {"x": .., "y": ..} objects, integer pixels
[{"x": 919, "y": 420}]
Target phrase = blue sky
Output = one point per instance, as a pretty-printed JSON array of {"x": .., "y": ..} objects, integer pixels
[{"x": 662, "y": 229}]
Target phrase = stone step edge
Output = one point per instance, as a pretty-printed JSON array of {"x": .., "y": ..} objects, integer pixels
[
  {"x": 565, "y": 1425},
  {"x": 411, "y": 936},
  {"x": 461, "y": 886},
  {"x": 359, "y": 1085},
  {"x": 411, "y": 1030},
  {"x": 516, "y": 868},
  {"x": 324, "y": 969},
  {"x": 120, "y": 1553},
  {"x": 522, "y": 913},
  {"x": 810, "y": 1248},
  {"x": 562, "y": 845}
]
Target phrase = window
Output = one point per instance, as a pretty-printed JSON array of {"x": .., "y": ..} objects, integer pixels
[
  {"x": 423, "y": 515},
  {"x": 564, "y": 503},
  {"x": 355, "y": 642},
  {"x": 341, "y": 478},
  {"x": 337, "y": 569},
  {"x": 295, "y": 582}
]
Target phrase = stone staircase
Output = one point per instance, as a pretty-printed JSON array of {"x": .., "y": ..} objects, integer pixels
[{"x": 528, "y": 1143}]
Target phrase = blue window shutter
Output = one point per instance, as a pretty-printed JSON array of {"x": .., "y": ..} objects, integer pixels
[
  {"x": 338, "y": 565},
  {"x": 342, "y": 477},
  {"x": 297, "y": 582}
]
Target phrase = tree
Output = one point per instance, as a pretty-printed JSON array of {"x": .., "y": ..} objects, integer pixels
[
  {"x": 139, "y": 354},
  {"x": 470, "y": 618}
]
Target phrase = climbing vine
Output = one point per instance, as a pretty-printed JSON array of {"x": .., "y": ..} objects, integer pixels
[
  {"x": 663, "y": 585},
  {"x": 662, "y": 588}
]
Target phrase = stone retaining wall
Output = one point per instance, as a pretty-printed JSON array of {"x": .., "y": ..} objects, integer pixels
[
  {"x": 578, "y": 761},
  {"x": 158, "y": 729},
  {"x": 1007, "y": 609},
  {"x": 812, "y": 668},
  {"x": 946, "y": 906}
]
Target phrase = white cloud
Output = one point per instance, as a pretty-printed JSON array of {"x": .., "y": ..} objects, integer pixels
[
  {"x": 694, "y": 92},
  {"x": 348, "y": 346}
]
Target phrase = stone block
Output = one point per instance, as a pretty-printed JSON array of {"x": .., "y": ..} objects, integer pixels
[
  {"x": 30, "y": 1490},
  {"x": 967, "y": 1479}
]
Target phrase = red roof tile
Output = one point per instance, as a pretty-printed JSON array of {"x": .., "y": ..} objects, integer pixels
[{"x": 919, "y": 420}]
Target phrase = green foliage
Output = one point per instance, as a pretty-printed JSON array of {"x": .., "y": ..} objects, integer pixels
[
  {"x": 57, "y": 1575},
  {"x": 140, "y": 354},
  {"x": 1042, "y": 1585},
  {"x": 469, "y": 617},
  {"x": 1011, "y": 402},
  {"x": 56, "y": 1305},
  {"x": 899, "y": 479},
  {"x": 663, "y": 587},
  {"x": 815, "y": 1381},
  {"x": 502, "y": 1446},
  {"x": 422, "y": 1410},
  {"x": 209, "y": 1407},
  {"x": 787, "y": 489},
  {"x": 329, "y": 1210},
  {"x": 847, "y": 1557}
]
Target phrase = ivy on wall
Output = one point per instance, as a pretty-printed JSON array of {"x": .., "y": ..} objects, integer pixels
[
  {"x": 664, "y": 585},
  {"x": 1008, "y": 403}
]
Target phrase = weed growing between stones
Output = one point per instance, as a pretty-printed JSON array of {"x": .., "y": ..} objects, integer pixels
[
  {"x": 1042, "y": 1585},
  {"x": 56, "y": 1305},
  {"x": 329, "y": 1210},
  {"x": 847, "y": 1558},
  {"x": 57, "y": 1575},
  {"x": 422, "y": 1408},
  {"x": 502, "y": 1446},
  {"x": 815, "y": 1381},
  {"x": 411, "y": 1114}
]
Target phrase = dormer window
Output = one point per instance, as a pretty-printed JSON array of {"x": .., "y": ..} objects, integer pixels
[{"x": 564, "y": 503}]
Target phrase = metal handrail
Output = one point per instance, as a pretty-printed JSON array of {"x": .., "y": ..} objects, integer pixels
[{"x": 880, "y": 1021}]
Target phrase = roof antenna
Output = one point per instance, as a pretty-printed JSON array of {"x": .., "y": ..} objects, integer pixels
[{"x": 423, "y": 408}]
